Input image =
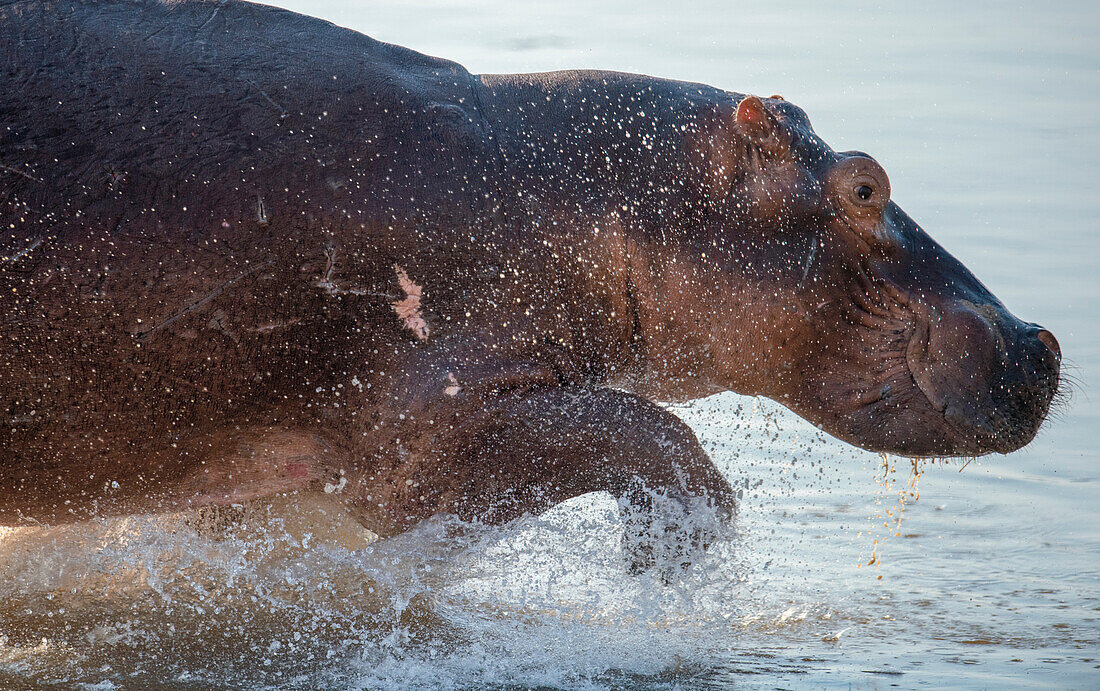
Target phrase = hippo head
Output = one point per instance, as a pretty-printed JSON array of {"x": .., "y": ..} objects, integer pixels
[{"x": 825, "y": 296}]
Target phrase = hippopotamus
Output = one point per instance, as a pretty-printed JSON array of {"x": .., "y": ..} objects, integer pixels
[{"x": 248, "y": 253}]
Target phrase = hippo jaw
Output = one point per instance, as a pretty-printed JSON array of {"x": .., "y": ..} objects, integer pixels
[
  {"x": 925, "y": 405},
  {"x": 942, "y": 420}
]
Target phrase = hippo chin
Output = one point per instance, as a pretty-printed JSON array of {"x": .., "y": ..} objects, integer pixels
[{"x": 247, "y": 252}]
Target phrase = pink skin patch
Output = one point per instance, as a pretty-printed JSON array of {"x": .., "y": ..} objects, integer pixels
[
  {"x": 408, "y": 308},
  {"x": 297, "y": 471},
  {"x": 453, "y": 387}
]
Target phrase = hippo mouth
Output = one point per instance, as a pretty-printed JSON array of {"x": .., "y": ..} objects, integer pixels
[
  {"x": 903, "y": 417},
  {"x": 947, "y": 381},
  {"x": 968, "y": 404},
  {"x": 1000, "y": 416}
]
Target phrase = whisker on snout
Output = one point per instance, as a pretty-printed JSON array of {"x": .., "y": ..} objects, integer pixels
[{"x": 1069, "y": 385}]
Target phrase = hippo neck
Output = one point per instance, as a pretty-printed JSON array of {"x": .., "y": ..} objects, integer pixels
[
  {"x": 599, "y": 160},
  {"x": 589, "y": 138}
]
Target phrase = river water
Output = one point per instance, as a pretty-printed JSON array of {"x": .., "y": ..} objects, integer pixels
[{"x": 844, "y": 570}]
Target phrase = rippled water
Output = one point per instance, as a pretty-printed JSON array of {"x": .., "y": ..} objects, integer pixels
[{"x": 986, "y": 117}]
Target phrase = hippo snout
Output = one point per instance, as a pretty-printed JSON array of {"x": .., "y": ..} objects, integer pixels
[
  {"x": 990, "y": 375},
  {"x": 1029, "y": 382}
]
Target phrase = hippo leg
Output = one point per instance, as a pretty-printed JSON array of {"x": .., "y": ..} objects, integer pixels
[
  {"x": 546, "y": 445},
  {"x": 228, "y": 466}
]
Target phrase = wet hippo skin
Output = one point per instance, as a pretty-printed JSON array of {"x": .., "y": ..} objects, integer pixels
[{"x": 247, "y": 252}]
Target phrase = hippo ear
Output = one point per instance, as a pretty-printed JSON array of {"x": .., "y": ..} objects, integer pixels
[
  {"x": 753, "y": 119},
  {"x": 725, "y": 129}
]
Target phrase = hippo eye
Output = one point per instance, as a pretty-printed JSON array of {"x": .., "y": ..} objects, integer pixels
[{"x": 860, "y": 186}]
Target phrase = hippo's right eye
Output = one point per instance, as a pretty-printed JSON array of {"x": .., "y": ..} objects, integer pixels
[{"x": 860, "y": 187}]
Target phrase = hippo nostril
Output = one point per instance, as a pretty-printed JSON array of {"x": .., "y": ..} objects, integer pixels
[{"x": 1051, "y": 342}]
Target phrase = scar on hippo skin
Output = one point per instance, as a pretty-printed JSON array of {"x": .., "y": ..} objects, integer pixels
[
  {"x": 115, "y": 178},
  {"x": 808, "y": 264},
  {"x": 23, "y": 173},
  {"x": 268, "y": 327},
  {"x": 408, "y": 308},
  {"x": 327, "y": 282},
  {"x": 453, "y": 387},
  {"x": 141, "y": 335},
  {"x": 282, "y": 111},
  {"x": 261, "y": 211},
  {"x": 23, "y": 252}
]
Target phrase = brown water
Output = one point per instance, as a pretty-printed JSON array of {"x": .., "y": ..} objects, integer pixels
[{"x": 987, "y": 117}]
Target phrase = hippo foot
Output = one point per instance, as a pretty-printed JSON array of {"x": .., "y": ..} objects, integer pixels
[{"x": 665, "y": 533}]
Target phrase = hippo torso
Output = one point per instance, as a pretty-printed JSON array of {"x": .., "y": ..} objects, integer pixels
[{"x": 205, "y": 239}]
